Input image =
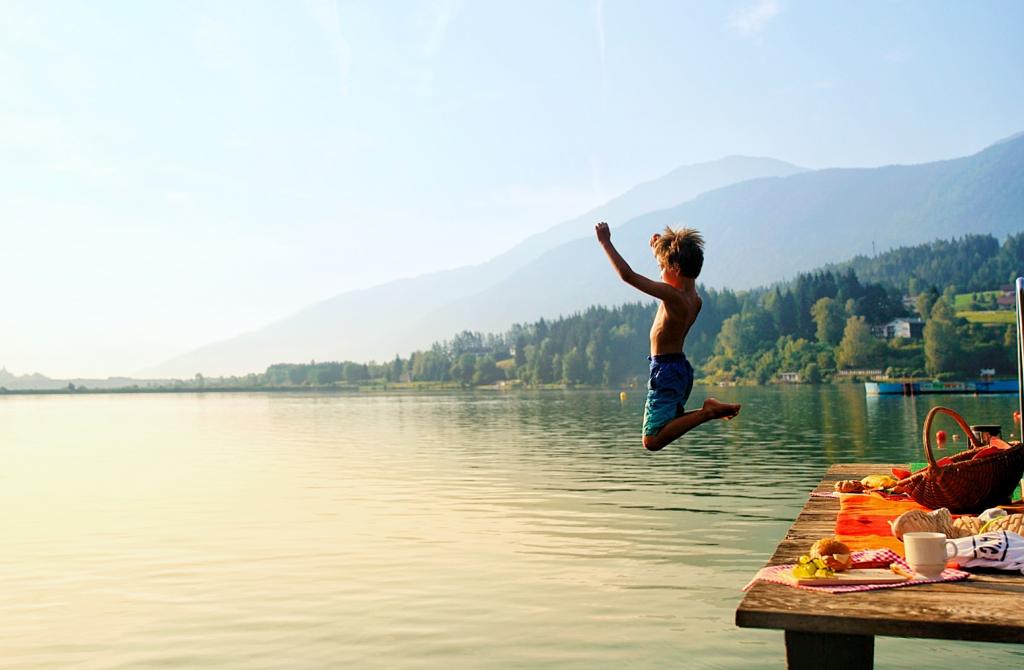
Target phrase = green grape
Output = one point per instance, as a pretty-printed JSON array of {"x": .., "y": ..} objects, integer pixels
[{"x": 803, "y": 571}]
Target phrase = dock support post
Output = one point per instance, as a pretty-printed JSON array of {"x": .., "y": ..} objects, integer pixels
[
  {"x": 1019, "y": 291},
  {"x": 829, "y": 651}
]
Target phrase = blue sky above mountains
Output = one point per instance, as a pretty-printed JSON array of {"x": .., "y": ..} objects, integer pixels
[{"x": 175, "y": 173}]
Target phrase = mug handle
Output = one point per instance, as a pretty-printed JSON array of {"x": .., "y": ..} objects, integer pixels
[{"x": 951, "y": 546}]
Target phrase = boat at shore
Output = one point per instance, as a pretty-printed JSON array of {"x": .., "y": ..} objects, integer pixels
[{"x": 927, "y": 387}]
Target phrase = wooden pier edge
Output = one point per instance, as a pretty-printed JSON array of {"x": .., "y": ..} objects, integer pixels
[{"x": 825, "y": 631}]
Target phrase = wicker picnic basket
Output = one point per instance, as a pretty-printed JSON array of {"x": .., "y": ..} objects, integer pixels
[{"x": 965, "y": 484}]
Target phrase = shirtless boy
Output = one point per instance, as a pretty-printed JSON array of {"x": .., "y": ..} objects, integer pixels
[{"x": 680, "y": 255}]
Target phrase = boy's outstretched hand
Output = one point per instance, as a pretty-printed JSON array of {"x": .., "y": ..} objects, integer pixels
[{"x": 603, "y": 233}]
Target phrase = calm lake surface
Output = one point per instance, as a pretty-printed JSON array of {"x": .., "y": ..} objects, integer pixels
[{"x": 459, "y": 530}]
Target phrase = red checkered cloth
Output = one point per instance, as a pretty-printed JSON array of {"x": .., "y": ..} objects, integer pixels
[{"x": 862, "y": 559}]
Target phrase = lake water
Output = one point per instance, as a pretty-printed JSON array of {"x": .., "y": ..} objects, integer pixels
[{"x": 457, "y": 530}]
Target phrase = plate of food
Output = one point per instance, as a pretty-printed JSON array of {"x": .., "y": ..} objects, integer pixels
[
  {"x": 852, "y": 577},
  {"x": 830, "y": 563}
]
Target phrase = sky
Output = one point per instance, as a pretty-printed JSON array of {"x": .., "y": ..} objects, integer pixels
[{"x": 176, "y": 173}]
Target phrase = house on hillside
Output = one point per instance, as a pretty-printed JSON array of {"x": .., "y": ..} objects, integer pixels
[
  {"x": 789, "y": 377},
  {"x": 1005, "y": 299},
  {"x": 904, "y": 327}
]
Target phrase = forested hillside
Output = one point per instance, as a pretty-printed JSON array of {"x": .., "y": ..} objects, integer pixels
[
  {"x": 816, "y": 327},
  {"x": 970, "y": 263}
]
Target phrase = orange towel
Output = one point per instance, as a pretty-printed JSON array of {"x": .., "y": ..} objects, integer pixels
[{"x": 863, "y": 521}]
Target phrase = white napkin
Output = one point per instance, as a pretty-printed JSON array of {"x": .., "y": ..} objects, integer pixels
[{"x": 999, "y": 549}]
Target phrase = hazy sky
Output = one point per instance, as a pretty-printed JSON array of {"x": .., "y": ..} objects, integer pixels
[{"x": 175, "y": 173}]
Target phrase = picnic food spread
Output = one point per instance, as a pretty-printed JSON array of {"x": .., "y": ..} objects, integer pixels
[
  {"x": 877, "y": 510},
  {"x": 869, "y": 483},
  {"x": 831, "y": 566}
]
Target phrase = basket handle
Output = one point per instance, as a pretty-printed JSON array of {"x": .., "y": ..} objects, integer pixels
[{"x": 926, "y": 437}]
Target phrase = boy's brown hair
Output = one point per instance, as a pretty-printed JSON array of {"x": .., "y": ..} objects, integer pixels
[{"x": 682, "y": 250}]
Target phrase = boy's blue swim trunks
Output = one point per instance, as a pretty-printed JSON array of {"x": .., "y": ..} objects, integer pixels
[{"x": 667, "y": 390}]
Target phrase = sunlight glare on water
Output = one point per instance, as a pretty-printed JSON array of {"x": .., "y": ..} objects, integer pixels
[{"x": 455, "y": 530}]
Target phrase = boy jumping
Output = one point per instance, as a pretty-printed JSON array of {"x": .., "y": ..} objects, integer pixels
[{"x": 680, "y": 255}]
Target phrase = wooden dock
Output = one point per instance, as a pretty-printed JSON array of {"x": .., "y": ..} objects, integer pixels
[{"x": 826, "y": 631}]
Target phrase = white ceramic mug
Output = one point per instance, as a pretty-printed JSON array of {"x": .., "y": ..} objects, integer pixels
[{"x": 927, "y": 553}]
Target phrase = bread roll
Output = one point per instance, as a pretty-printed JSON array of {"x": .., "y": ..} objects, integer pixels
[
  {"x": 849, "y": 486},
  {"x": 834, "y": 553}
]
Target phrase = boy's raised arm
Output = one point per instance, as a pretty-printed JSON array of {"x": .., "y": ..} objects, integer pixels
[{"x": 650, "y": 287}]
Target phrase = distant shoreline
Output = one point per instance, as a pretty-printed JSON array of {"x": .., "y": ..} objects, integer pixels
[
  {"x": 330, "y": 390},
  {"x": 400, "y": 387}
]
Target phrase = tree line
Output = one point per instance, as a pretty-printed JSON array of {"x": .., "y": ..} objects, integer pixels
[
  {"x": 816, "y": 327},
  {"x": 970, "y": 263}
]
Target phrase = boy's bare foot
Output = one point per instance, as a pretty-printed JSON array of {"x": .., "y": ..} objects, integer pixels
[{"x": 720, "y": 410}]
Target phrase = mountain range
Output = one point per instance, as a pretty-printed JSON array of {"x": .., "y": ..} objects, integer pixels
[
  {"x": 378, "y": 322},
  {"x": 763, "y": 221}
]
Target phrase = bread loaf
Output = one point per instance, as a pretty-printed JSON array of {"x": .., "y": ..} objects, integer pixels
[
  {"x": 916, "y": 521},
  {"x": 967, "y": 525},
  {"x": 879, "y": 482},
  {"x": 1011, "y": 522}
]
